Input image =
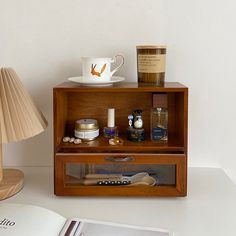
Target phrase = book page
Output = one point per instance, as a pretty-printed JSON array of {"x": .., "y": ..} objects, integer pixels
[
  {"x": 75, "y": 227},
  {"x": 26, "y": 220}
]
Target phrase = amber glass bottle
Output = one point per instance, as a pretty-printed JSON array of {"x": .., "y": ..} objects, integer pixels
[{"x": 151, "y": 61}]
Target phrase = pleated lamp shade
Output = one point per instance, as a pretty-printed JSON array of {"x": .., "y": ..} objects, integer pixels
[{"x": 19, "y": 119}]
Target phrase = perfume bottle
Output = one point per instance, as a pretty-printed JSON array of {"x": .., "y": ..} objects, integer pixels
[
  {"x": 159, "y": 124},
  {"x": 111, "y": 130}
]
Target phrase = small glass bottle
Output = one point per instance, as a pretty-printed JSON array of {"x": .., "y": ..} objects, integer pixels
[
  {"x": 111, "y": 130},
  {"x": 159, "y": 124}
]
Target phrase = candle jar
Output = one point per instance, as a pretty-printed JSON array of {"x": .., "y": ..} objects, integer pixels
[
  {"x": 159, "y": 124},
  {"x": 151, "y": 61}
]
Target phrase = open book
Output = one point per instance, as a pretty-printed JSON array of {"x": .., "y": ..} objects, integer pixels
[{"x": 27, "y": 220}]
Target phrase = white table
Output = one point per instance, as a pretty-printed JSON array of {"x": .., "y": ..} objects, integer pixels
[{"x": 209, "y": 209}]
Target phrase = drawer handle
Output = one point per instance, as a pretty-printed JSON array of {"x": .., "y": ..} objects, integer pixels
[{"x": 119, "y": 159}]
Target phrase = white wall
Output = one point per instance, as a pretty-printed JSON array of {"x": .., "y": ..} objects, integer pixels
[{"x": 44, "y": 40}]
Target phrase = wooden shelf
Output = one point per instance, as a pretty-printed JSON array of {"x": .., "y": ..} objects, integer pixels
[
  {"x": 122, "y": 87},
  {"x": 101, "y": 145},
  {"x": 167, "y": 160}
]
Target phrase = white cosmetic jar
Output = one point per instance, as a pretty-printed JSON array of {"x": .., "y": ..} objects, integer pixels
[{"x": 86, "y": 129}]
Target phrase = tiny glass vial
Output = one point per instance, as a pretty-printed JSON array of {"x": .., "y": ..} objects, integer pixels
[{"x": 159, "y": 124}]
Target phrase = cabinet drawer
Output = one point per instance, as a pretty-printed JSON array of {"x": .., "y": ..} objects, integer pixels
[{"x": 117, "y": 174}]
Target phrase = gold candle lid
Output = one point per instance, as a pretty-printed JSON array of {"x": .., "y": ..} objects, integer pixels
[{"x": 86, "y": 124}]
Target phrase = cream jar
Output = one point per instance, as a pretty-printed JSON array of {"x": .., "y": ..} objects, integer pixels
[{"x": 86, "y": 129}]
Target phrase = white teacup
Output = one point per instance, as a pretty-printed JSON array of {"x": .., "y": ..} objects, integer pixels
[{"x": 99, "y": 69}]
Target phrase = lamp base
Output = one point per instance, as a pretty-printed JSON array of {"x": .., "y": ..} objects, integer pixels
[{"x": 11, "y": 183}]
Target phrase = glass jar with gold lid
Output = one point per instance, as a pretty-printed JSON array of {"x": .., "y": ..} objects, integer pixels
[
  {"x": 151, "y": 62},
  {"x": 86, "y": 129}
]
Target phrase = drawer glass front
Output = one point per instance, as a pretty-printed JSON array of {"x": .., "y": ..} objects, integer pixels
[{"x": 115, "y": 174}]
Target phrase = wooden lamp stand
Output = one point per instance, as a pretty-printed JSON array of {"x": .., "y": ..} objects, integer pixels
[{"x": 11, "y": 180}]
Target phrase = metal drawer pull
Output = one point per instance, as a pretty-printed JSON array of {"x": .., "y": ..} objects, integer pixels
[{"x": 119, "y": 159}]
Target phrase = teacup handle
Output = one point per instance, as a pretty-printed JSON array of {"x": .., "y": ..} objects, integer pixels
[{"x": 121, "y": 64}]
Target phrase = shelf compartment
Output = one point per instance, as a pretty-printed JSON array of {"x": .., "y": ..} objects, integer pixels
[
  {"x": 71, "y": 106},
  {"x": 72, "y": 169}
]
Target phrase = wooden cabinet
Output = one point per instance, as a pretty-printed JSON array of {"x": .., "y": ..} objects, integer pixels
[{"x": 166, "y": 162}]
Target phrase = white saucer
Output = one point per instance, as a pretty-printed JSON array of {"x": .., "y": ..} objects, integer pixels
[{"x": 82, "y": 81}]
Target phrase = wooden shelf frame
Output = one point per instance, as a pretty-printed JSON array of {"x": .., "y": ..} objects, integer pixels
[{"x": 72, "y": 102}]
